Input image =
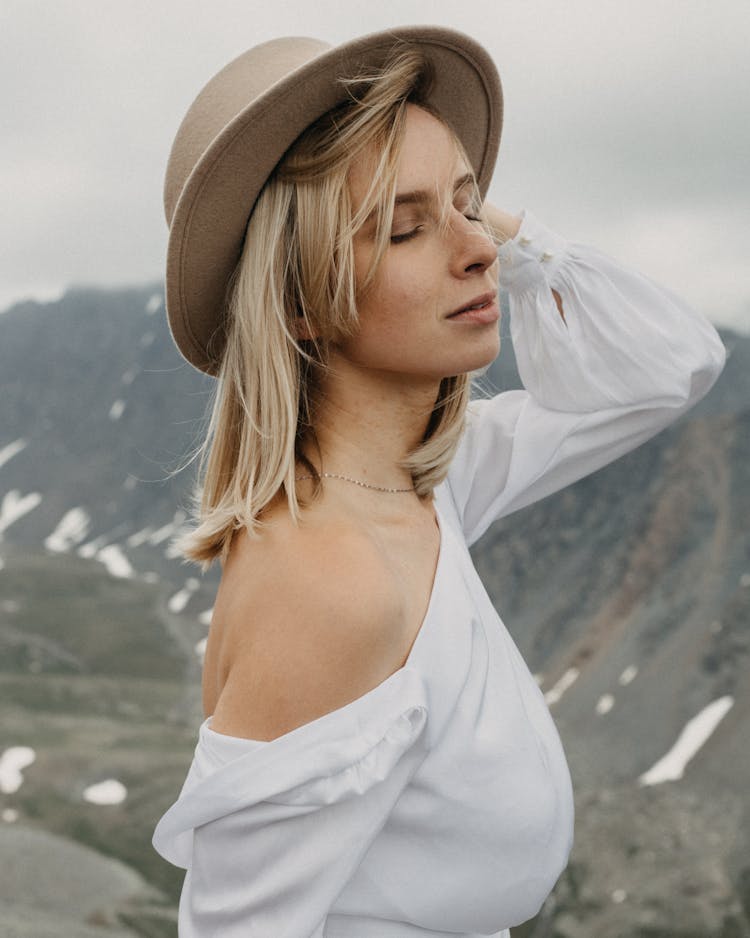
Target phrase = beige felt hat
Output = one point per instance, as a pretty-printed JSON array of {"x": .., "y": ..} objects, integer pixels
[{"x": 242, "y": 123}]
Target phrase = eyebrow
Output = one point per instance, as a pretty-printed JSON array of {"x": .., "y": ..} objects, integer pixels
[{"x": 421, "y": 196}]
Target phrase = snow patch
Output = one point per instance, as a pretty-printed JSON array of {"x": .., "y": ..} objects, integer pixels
[
  {"x": 618, "y": 896},
  {"x": 180, "y": 599},
  {"x": 555, "y": 693},
  {"x": 694, "y": 735},
  {"x": 628, "y": 675},
  {"x": 129, "y": 376},
  {"x": 117, "y": 409},
  {"x": 162, "y": 533},
  {"x": 9, "y": 815},
  {"x": 200, "y": 648},
  {"x": 745, "y": 580},
  {"x": 15, "y": 506},
  {"x": 110, "y": 555},
  {"x": 12, "y": 762},
  {"x": 8, "y": 452},
  {"x": 115, "y": 561},
  {"x": 604, "y": 704},
  {"x": 205, "y": 617},
  {"x": 71, "y": 529},
  {"x": 154, "y": 304},
  {"x": 138, "y": 537},
  {"x": 90, "y": 549},
  {"x": 110, "y": 791},
  {"x": 147, "y": 339}
]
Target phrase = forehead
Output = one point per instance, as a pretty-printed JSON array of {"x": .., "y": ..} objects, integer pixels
[{"x": 428, "y": 160}]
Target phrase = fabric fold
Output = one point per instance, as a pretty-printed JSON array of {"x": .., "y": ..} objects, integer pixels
[
  {"x": 270, "y": 838},
  {"x": 628, "y": 359},
  {"x": 625, "y": 339},
  {"x": 339, "y": 755}
]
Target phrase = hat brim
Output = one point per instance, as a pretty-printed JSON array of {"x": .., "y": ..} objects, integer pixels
[{"x": 211, "y": 215}]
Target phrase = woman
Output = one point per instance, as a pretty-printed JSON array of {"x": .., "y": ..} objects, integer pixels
[{"x": 376, "y": 759}]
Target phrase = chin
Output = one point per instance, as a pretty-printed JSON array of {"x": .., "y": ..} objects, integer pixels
[{"x": 482, "y": 358}]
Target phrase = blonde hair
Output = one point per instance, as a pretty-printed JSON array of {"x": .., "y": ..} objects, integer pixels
[{"x": 297, "y": 261}]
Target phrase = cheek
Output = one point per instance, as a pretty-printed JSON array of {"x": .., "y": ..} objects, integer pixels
[
  {"x": 392, "y": 321},
  {"x": 403, "y": 292}
]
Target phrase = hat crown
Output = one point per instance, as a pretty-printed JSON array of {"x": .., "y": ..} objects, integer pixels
[
  {"x": 245, "y": 119},
  {"x": 241, "y": 82}
]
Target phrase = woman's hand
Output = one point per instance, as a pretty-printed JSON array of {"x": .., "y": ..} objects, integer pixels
[{"x": 504, "y": 225}]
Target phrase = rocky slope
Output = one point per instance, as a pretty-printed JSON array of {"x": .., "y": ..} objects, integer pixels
[{"x": 628, "y": 594}]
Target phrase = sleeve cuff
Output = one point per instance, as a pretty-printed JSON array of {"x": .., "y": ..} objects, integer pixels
[{"x": 531, "y": 257}]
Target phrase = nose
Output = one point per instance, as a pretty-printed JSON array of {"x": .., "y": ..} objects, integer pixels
[{"x": 474, "y": 249}]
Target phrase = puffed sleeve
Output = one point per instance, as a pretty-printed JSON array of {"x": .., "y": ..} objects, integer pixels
[
  {"x": 629, "y": 358},
  {"x": 271, "y": 832}
]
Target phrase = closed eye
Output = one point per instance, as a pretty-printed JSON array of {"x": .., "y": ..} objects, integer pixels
[
  {"x": 397, "y": 239},
  {"x": 400, "y": 238}
]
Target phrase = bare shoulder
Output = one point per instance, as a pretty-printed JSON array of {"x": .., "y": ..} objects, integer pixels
[{"x": 307, "y": 619}]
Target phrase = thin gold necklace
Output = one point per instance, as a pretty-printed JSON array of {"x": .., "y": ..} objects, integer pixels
[{"x": 365, "y": 485}]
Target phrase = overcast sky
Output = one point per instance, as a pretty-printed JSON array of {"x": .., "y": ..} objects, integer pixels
[{"x": 627, "y": 126}]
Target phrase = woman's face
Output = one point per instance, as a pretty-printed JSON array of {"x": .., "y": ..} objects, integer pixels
[{"x": 407, "y": 324}]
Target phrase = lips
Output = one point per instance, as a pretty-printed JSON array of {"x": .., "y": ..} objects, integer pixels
[
  {"x": 483, "y": 310},
  {"x": 479, "y": 302}
]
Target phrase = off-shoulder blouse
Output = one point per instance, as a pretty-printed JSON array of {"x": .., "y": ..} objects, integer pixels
[{"x": 439, "y": 803}]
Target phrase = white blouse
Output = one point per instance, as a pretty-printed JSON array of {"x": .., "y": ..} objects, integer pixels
[{"x": 440, "y": 803}]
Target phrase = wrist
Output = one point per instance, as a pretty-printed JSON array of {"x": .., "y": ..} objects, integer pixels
[{"x": 504, "y": 225}]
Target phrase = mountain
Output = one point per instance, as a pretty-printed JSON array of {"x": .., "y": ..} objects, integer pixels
[{"x": 628, "y": 594}]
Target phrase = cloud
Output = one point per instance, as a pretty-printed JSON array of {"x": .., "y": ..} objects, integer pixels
[{"x": 623, "y": 123}]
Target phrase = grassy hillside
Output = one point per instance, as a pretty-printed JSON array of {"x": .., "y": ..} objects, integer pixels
[{"x": 94, "y": 682}]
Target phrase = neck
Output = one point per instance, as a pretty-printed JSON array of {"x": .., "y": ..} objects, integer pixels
[{"x": 367, "y": 422}]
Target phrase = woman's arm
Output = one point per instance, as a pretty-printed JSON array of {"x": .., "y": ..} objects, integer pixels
[{"x": 629, "y": 358}]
